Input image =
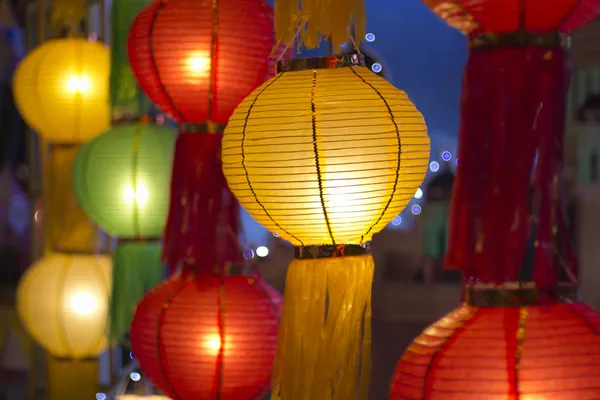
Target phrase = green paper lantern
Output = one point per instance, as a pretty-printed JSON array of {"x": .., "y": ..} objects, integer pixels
[{"x": 122, "y": 180}]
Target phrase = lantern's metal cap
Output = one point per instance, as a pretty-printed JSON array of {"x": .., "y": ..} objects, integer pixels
[
  {"x": 489, "y": 40},
  {"x": 515, "y": 294},
  {"x": 328, "y": 62}
]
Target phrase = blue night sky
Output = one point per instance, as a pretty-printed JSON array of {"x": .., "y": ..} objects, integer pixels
[{"x": 426, "y": 58}]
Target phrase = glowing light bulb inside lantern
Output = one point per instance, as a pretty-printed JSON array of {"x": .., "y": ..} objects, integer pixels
[
  {"x": 83, "y": 303},
  {"x": 212, "y": 343},
  {"x": 138, "y": 196},
  {"x": 198, "y": 66},
  {"x": 78, "y": 84}
]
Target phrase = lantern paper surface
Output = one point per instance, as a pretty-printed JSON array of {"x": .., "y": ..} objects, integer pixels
[
  {"x": 500, "y": 16},
  {"x": 197, "y": 59},
  {"x": 122, "y": 179},
  {"x": 201, "y": 339},
  {"x": 61, "y": 89},
  {"x": 526, "y": 353},
  {"x": 338, "y": 174},
  {"x": 63, "y": 303}
]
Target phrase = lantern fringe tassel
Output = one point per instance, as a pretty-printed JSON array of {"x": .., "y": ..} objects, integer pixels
[
  {"x": 323, "y": 352},
  {"x": 136, "y": 270},
  {"x": 319, "y": 19},
  {"x": 201, "y": 204}
]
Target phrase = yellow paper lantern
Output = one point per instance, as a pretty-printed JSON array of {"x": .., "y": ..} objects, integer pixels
[
  {"x": 63, "y": 302},
  {"x": 325, "y": 154},
  {"x": 62, "y": 89}
]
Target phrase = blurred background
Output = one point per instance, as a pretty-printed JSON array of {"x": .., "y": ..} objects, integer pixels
[{"x": 419, "y": 54}]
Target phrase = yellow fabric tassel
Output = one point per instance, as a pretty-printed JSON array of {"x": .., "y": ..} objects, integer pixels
[
  {"x": 324, "y": 344},
  {"x": 69, "y": 227},
  {"x": 318, "y": 19}
]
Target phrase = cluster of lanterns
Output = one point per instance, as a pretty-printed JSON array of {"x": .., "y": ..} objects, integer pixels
[{"x": 322, "y": 166}]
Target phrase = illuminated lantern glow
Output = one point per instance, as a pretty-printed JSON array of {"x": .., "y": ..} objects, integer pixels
[
  {"x": 61, "y": 90},
  {"x": 521, "y": 352},
  {"x": 518, "y": 60},
  {"x": 121, "y": 179},
  {"x": 214, "y": 67},
  {"x": 325, "y": 154},
  {"x": 221, "y": 55},
  {"x": 212, "y": 338},
  {"x": 62, "y": 301}
]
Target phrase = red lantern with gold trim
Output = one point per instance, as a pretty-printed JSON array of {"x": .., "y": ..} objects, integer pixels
[
  {"x": 196, "y": 60},
  {"x": 548, "y": 352},
  {"x": 208, "y": 339},
  {"x": 512, "y": 122}
]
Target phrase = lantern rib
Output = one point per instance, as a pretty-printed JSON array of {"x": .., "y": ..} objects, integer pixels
[
  {"x": 177, "y": 114},
  {"x": 398, "y": 165},
  {"x": 520, "y": 338},
  {"x": 160, "y": 323},
  {"x": 243, "y": 154},
  {"x": 60, "y": 323},
  {"x": 313, "y": 110}
]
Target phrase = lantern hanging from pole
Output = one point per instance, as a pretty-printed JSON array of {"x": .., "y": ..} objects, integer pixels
[
  {"x": 513, "y": 348},
  {"x": 197, "y": 60},
  {"x": 121, "y": 180},
  {"x": 325, "y": 154},
  {"x": 62, "y": 301},
  {"x": 512, "y": 113},
  {"x": 206, "y": 339},
  {"x": 61, "y": 90}
]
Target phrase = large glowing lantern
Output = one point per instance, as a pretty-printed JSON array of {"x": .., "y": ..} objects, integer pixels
[
  {"x": 325, "y": 154},
  {"x": 207, "y": 338},
  {"x": 121, "y": 179},
  {"x": 63, "y": 303},
  {"x": 520, "y": 352},
  {"x": 61, "y": 89},
  {"x": 192, "y": 60}
]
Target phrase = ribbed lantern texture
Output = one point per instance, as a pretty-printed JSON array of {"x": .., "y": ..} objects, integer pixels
[
  {"x": 121, "y": 179},
  {"x": 207, "y": 339},
  {"x": 62, "y": 301},
  {"x": 325, "y": 157},
  {"x": 521, "y": 353},
  {"x": 504, "y": 130},
  {"x": 61, "y": 90},
  {"x": 197, "y": 60}
]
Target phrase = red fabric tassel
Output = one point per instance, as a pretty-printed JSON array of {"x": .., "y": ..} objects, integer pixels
[
  {"x": 512, "y": 98},
  {"x": 203, "y": 224}
]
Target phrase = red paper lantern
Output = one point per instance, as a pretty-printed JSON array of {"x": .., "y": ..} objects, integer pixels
[
  {"x": 500, "y": 16},
  {"x": 198, "y": 59},
  {"x": 511, "y": 353},
  {"x": 207, "y": 339}
]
